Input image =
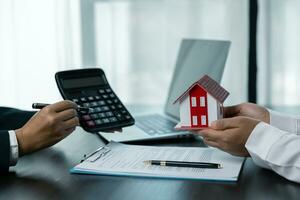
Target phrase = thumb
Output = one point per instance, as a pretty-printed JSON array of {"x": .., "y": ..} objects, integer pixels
[{"x": 225, "y": 123}]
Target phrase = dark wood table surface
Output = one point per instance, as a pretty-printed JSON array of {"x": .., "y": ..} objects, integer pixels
[{"x": 45, "y": 175}]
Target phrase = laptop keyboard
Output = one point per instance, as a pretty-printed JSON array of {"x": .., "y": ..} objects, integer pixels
[{"x": 155, "y": 124}]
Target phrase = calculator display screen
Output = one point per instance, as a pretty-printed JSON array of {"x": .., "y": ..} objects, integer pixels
[{"x": 83, "y": 82}]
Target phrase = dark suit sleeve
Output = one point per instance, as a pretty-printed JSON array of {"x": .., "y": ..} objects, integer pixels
[
  {"x": 10, "y": 119},
  {"x": 4, "y": 151}
]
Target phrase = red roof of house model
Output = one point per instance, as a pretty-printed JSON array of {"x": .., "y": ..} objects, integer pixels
[{"x": 211, "y": 86}]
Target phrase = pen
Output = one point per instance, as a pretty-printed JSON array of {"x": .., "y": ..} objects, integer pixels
[
  {"x": 42, "y": 105},
  {"x": 183, "y": 164}
]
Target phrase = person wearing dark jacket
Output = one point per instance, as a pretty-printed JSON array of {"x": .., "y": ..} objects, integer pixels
[{"x": 23, "y": 132}]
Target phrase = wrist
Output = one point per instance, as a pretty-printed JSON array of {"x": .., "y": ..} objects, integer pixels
[
  {"x": 267, "y": 117},
  {"x": 23, "y": 149}
]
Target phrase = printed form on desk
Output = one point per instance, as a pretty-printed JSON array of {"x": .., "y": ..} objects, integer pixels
[{"x": 127, "y": 160}]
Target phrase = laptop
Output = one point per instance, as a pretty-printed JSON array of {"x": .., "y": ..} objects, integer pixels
[{"x": 195, "y": 58}]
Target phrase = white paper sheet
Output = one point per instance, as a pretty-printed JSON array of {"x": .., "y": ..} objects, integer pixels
[{"x": 122, "y": 159}]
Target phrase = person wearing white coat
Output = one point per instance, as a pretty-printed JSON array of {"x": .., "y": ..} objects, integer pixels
[{"x": 272, "y": 139}]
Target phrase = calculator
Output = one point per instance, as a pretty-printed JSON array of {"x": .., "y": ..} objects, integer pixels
[{"x": 89, "y": 88}]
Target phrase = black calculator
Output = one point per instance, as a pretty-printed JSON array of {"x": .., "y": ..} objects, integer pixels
[{"x": 89, "y": 88}]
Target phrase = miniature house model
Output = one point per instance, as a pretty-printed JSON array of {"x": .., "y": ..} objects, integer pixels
[{"x": 201, "y": 104}]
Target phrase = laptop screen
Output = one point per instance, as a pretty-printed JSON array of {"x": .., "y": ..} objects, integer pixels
[{"x": 195, "y": 59}]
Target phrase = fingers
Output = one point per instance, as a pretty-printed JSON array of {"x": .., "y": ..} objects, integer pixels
[
  {"x": 231, "y": 111},
  {"x": 225, "y": 123},
  {"x": 65, "y": 128},
  {"x": 69, "y": 131},
  {"x": 71, "y": 123},
  {"x": 210, "y": 134},
  {"x": 211, "y": 143},
  {"x": 66, "y": 114},
  {"x": 212, "y": 137},
  {"x": 62, "y": 105}
]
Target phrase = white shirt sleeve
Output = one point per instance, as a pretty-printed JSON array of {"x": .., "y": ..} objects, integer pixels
[
  {"x": 14, "y": 148},
  {"x": 284, "y": 122},
  {"x": 275, "y": 149}
]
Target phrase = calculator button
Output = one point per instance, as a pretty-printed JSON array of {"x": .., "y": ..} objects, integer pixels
[
  {"x": 79, "y": 104},
  {"x": 109, "y": 101},
  {"x": 113, "y": 119},
  {"x": 101, "y": 91},
  {"x": 75, "y": 100},
  {"x": 123, "y": 111},
  {"x": 86, "y": 105},
  {"x": 101, "y": 115},
  {"x": 98, "y": 109},
  {"x": 83, "y": 99},
  {"x": 92, "y": 111},
  {"x": 112, "y": 95},
  {"x": 109, "y": 114},
  {"x": 84, "y": 112},
  {"x": 94, "y": 104},
  {"x": 86, "y": 117},
  {"x": 90, "y": 123},
  {"x": 105, "y": 96},
  {"x": 113, "y": 107},
  {"x": 94, "y": 116},
  {"x": 108, "y": 90},
  {"x": 105, "y": 108},
  {"x": 97, "y": 97},
  {"x": 127, "y": 117},
  {"x": 91, "y": 98},
  {"x": 98, "y": 122},
  {"x": 101, "y": 103},
  {"x": 119, "y": 116},
  {"x": 115, "y": 100},
  {"x": 105, "y": 120},
  {"x": 119, "y": 106}
]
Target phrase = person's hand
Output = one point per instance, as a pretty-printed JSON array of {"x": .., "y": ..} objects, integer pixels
[
  {"x": 229, "y": 134},
  {"x": 47, "y": 127},
  {"x": 248, "y": 110}
]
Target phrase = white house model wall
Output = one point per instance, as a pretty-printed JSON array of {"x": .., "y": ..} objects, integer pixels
[
  {"x": 213, "y": 111},
  {"x": 185, "y": 112}
]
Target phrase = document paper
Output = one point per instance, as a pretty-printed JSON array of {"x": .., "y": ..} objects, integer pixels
[{"x": 127, "y": 160}]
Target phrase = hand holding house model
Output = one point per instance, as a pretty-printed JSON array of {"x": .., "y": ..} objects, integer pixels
[{"x": 201, "y": 104}]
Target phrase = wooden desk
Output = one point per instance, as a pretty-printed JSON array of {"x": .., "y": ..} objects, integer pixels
[{"x": 45, "y": 175}]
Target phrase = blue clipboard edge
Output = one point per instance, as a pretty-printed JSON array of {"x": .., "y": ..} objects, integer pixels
[{"x": 76, "y": 171}]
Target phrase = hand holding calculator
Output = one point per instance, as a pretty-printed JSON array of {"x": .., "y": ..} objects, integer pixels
[{"x": 89, "y": 88}]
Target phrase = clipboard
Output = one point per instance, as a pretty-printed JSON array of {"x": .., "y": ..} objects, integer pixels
[{"x": 116, "y": 159}]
